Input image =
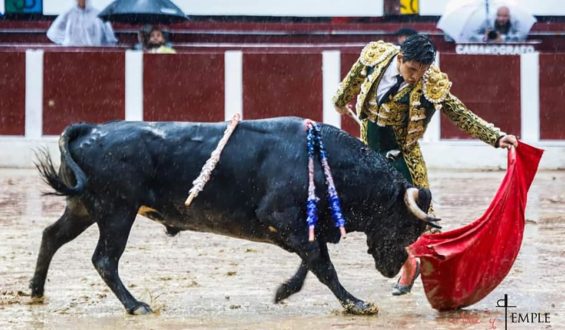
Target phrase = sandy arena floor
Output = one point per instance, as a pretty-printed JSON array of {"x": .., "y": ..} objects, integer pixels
[{"x": 205, "y": 281}]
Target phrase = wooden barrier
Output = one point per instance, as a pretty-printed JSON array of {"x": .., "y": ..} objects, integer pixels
[
  {"x": 82, "y": 86},
  {"x": 12, "y": 93},
  {"x": 489, "y": 86},
  {"x": 90, "y": 85},
  {"x": 552, "y": 91},
  {"x": 183, "y": 87}
]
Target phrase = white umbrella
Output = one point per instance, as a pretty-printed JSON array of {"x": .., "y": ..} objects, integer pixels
[{"x": 463, "y": 17}]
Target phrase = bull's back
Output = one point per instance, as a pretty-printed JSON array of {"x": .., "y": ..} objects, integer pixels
[{"x": 154, "y": 165}]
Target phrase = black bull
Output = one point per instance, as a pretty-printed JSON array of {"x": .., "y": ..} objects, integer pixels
[{"x": 258, "y": 191}]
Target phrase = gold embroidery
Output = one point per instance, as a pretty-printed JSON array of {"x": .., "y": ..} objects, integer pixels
[
  {"x": 392, "y": 114},
  {"x": 417, "y": 167},
  {"x": 417, "y": 114},
  {"x": 369, "y": 87},
  {"x": 363, "y": 131},
  {"x": 376, "y": 52},
  {"x": 436, "y": 85},
  {"x": 469, "y": 122},
  {"x": 350, "y": 86},
  {"x": 357, "y": 83}
]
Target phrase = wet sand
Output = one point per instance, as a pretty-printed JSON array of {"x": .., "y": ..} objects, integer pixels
[{"x": 206, "y": 281}]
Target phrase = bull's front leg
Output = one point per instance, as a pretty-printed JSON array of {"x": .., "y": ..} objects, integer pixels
[
  {"x": 317, "y": 258},
  {"x": 114, "y": 232}
]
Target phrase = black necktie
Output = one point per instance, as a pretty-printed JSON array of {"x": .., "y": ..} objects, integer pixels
[{"x": 392, "y": 90}]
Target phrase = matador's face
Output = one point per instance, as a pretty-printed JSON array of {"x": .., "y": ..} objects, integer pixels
[{"x": 411, "y": 71}]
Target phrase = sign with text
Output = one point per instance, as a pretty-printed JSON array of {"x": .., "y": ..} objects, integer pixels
[
  {"x": 494, "y": 49},
  {"x": 409, "y": 7},
  {"x": 23, "y": 6}
]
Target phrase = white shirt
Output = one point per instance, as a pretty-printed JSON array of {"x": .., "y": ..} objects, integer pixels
[
  {"x": 81, "y": 27},
  {"x": 389, "y": 79}
]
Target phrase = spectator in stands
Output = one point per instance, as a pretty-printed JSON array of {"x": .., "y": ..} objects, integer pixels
[
  {"x": 504, "y": 29},
  {"x": 143, "y": 37},
  {"x": 404, "y": 33},
  {"x": 80, "y": 26},
  {"x": 157, "y": 42}
]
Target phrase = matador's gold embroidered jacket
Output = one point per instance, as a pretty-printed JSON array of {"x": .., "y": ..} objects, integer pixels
[{"x": 410, "y": 110}]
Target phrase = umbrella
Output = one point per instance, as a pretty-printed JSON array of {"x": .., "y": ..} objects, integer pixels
[
  {"x": 143, "y": 11},
  {"x": 462, "y": 266},
  {"x": 463, "y": 17}
]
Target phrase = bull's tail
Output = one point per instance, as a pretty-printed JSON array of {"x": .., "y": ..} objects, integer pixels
[
  {"x": 55, "y": 178},
  {"x": 411, "y": 196}
]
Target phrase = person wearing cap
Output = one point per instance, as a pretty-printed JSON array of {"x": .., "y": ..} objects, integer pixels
[{"x": 397, "y": 91}]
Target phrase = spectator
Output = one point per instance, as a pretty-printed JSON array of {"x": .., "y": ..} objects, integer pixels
[
  {"x": 404, "y": 33},
  {"x": 80, "y": 26},
  {"x": 504, "y": 29},
  {"x": 143, "y": 37},
  {"x": 157, "y": 42}
]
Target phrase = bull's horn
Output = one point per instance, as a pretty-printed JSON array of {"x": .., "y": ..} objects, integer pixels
[{"x": 410, "y": 197}]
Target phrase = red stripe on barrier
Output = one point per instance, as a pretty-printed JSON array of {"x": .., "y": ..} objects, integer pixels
[
  {"x": 82, "y": 86},
  {"x": 12, "y": 93},
  {"x": 489, "y": 86},
  {"x": 552, "y": 90},
  {"x": 282, "y": 85},
  {"x": 183, "y": 87}
]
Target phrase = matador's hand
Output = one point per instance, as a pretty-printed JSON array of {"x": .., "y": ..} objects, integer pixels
[
  {"x": 508, "y": 141},
  {"x": 344, "y": 110}
]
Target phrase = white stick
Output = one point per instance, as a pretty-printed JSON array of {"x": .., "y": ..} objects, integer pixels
[
  {"x": 207, "y": 169},
  {"x": 354, "y": 116}
]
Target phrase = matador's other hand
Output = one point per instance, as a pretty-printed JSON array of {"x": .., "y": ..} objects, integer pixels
[
  {"x": 508, "y": 141},
  {"x": 344, "y": 110}
]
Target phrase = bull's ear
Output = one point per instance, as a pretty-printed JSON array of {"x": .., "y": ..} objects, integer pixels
[{"x": 368, "y": 251}]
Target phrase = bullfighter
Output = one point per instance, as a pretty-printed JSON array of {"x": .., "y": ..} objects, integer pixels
[{"x": 398, "y": 90}]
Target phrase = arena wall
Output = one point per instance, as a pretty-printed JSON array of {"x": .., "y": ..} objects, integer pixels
[{"x": 42, "y": 91}]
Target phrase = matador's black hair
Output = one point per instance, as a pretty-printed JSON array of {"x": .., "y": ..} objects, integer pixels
[{"x": 418, "y": 48}]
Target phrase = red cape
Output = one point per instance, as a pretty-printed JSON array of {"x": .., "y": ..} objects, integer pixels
[{"x": 462, "y": 266}]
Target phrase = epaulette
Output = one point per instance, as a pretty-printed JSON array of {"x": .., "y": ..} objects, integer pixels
[
  {"x": 376, "y": 52},
  {"x": 436, "y": 85}
]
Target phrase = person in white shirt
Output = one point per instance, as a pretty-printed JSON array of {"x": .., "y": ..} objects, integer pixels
[{"x": 81, "y": 26}]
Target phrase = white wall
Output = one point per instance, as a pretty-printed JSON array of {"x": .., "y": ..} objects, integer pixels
[
  {"x": 303, "y": 7},
  {"x": 252, "y": 7},
  {"x": 283, "y": 7}
]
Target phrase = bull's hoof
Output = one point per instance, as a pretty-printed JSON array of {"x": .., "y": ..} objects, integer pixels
[
  {"x": 283, "y": 292},
  {"x": 36, "y": 294},
  {"x": 141, "y": 309},
  {"x": 361, "y": 308},
  {"x": 36, "y": 300},
  {"x": 36, "y": 289}
]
